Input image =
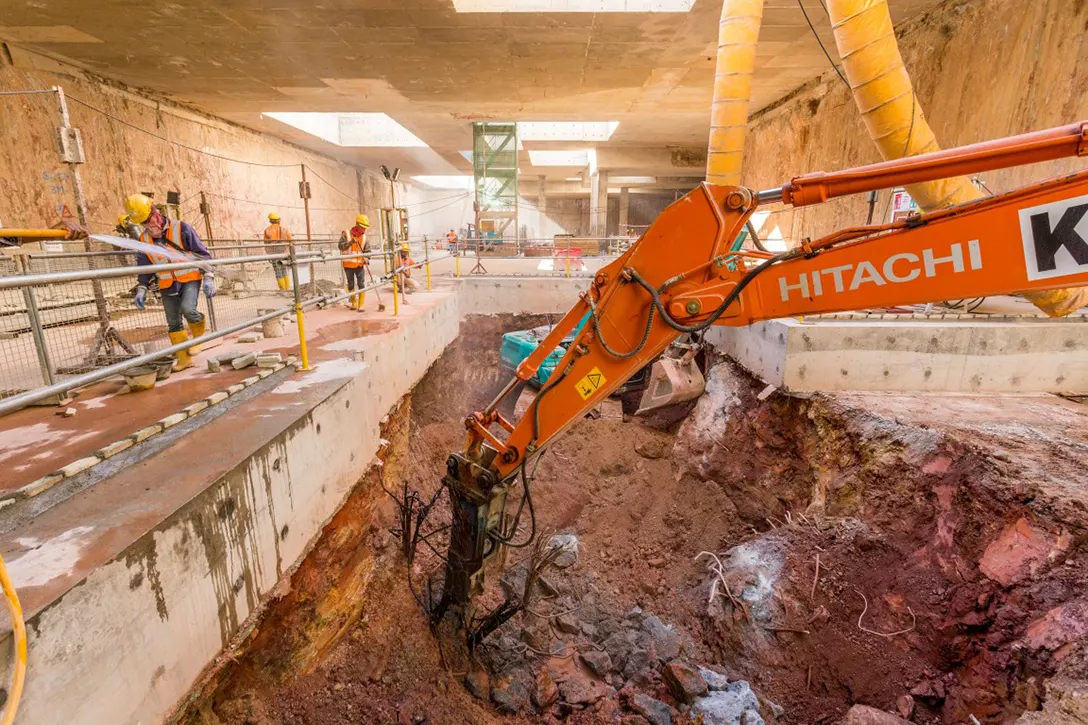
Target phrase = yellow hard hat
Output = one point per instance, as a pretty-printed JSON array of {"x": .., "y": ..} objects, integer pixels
[
  {"x": 273, "y": 217},
  {"x": 123, "y": 220},
  {"x": 363, "y": 220},
  {"x": 138, "y": 207},
  {"x": 404, "y": 247}
]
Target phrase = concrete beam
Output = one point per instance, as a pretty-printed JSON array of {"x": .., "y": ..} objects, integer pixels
[{"x": 901, "y": 355}]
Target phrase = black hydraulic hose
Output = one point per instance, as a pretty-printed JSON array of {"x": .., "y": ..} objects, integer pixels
[
  {"x": 620, "y": 355},
  {"x": 730, "y": 298},
  {"x": 755, "y": 237}
]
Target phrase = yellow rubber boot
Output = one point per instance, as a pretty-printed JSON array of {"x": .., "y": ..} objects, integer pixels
[
  {"x": 196, "y": 329},
  {"x": 183, "y": 358},
  {"x": 351, "y": 302},
  {"x": 362, "y": 301},
  {"x": 283, "y": 283}
]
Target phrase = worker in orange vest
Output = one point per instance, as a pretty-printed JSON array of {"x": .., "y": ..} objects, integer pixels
[
  {"x": 276, "y": 232},
  {"x": 355, "y": 269},
  {"x": 404, "y": 276},
  {"x": 180, "y": 288},
  {"x": 451, "y": 241}
]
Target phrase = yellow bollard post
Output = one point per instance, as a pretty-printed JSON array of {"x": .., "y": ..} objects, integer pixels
[
  {"x": 427, "y": 259},
  {"x": 396, "y": 301},
  {"x": 456, "y": 263},
  {"x": 303, "y": 355}
]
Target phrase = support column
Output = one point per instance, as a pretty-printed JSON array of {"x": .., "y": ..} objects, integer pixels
[
  {"x": 541, "y": 204},
  {"x": 598, "y": 203},
  {"x": 625, "y": 204}
]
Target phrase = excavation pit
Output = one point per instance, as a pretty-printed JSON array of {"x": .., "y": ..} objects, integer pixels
[{"x": 920, "y": 555}]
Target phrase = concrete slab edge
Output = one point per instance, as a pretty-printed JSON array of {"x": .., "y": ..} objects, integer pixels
[{"x": 78, "y": 466}]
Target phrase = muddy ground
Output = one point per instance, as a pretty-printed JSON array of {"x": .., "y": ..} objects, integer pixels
[{"x": 922, "y": 556}]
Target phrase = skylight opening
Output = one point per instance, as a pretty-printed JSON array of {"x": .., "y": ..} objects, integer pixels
[
  {"x": 552, "y": 157},
  {"x": 356, "y": 130},
  {"x": 453, "y": 181},
  {"x": 573, "y": 6},
  {"x": 566, "y": 130}
]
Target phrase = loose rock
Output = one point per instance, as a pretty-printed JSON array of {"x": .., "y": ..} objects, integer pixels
[
  {"x": 655, "y": 711},
  {"x": 653, "y": 448},
  {"x": 713, "y": 680},
  {"x": 735, "y": 705},
  {"x": 509, "y": 697},
  {"x": 665, "y": 640},
  {"x": 580, "y": 690},
  {"x": 599, "y": 663},
  {"x": 905, "y": 705},
  {"x": 865, "y": 715},
  {"x": 545, "y": 692},
  {"x": 567, "y": 624},
  {"x": 476, "y": 682},
  {"x": 684, "y": 682},
  {"x": 568, "y": 544}
]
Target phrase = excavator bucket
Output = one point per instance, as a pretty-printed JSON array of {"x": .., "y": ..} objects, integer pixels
[{"x": 672, "y": 380}]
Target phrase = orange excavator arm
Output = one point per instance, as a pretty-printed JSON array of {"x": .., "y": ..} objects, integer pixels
[{"x": 680, "y": 277}]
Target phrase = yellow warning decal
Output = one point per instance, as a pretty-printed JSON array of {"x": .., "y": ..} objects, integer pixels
[{"x": 588, "y": 385}]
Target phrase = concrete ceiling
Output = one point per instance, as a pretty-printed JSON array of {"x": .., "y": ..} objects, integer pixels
[{"x": 435, "y": 70}]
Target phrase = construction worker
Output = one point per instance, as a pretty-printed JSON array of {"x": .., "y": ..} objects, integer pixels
[
  {"x": 179, "y": 289},
  {"x": 404, "y": 276},
  {"x": 355, "y": 269},
  {"x": 451, "y": 240},
  {"x": 276, "y": 232}
]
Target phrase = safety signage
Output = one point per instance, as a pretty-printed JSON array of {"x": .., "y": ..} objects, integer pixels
[{"x": 588, "y": 385}]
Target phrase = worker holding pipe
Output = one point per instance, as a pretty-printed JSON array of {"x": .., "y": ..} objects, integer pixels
[
  {"x": 404, "y": 273},
  {"x": 179, "y": 289},
  {"x": 355, "y": 269},
  {"x": 276, "y": 232}
]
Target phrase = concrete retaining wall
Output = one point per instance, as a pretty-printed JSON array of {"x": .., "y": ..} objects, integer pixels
[
  {"x": 905, "y": 355},
  {"x": 519, "y": 295},
  {"x": 127, "y": 642}
]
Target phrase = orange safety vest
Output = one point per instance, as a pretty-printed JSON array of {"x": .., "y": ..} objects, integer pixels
[
  {"x": 406, "y": 262},
  {"x": 357, "y": 246},
  {"x": 277, "y": 233},
  {"x": 173, "y": 236}
]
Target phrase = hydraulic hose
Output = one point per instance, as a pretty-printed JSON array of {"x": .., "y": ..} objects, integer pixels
[
  {"x": 738, "y": 33},
  {"x": 882, "y": 89},
  {"x": 18, "y": 627}
]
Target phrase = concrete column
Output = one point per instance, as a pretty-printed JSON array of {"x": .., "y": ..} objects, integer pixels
[
  {"x": 541, "y": 203},
  {"x": 598, "y": 204},
  {"x": 625, "y": 203}
]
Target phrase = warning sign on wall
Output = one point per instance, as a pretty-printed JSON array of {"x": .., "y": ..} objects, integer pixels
[{"x": 902, "y": 205}]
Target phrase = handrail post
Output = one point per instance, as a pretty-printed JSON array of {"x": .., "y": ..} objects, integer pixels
[{"x": 303, "y": 355}]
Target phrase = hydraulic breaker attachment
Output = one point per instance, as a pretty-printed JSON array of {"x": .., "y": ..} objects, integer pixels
[
  {"x": 478, "y": 503},
  {"x": 672, "y": 380}
]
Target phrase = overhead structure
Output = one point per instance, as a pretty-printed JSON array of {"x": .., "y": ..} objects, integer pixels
[
  {"x": 495, "y": 179},
  {"x": 865, "y": 38}
]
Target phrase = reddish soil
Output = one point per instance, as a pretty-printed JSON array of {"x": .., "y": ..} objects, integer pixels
[{"x": 956, "y": 524}]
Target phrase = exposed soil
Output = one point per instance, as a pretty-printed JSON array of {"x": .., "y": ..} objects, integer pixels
[{"x": 955, "y": 525}]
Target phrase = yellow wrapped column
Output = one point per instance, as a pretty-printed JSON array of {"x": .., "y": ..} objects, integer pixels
[
  {"x": 885, "y": 97},
  {"x": 738, "y": 34}
]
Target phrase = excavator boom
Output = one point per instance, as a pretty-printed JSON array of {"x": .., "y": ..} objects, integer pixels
[{"x": 680, "y": 277}]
